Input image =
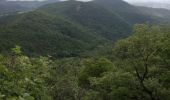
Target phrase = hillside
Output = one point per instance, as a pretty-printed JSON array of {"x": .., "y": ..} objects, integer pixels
[
  {"x": 129, "y": 12},
  {"x": 70, "y": 28},
  {"x": 74, "y": 50},
  {"x": 94, "y": 17},
  {"x": 62, "y": 29},
  {"x": 40, "y": 33}
]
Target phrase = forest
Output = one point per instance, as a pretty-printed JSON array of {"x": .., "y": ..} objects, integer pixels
[
  {"x": 136, "y": 69},
  {"x": 74, "y": 50}
]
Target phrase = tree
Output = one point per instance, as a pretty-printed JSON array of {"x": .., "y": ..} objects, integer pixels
[
  {"x": 142, "y": 55},
  {"x": 23, "y": 78}
]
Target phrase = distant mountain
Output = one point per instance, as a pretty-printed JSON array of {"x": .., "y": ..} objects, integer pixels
[
  {"x": 128, "y": 12},
  {"x": 163, "y": 14},
  {"x": 34, "y": 4},
  {"x": 9, "y": 7},
  {"x": 154, "y": 5}
]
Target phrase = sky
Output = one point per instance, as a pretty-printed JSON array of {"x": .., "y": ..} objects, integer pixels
[
  {"x": 130, "y": 1},
  {"x": 43, "y": 0},
  {"x": 158, "y": 1}
]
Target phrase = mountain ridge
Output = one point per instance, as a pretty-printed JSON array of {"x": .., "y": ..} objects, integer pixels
[{"x": 69, "y": 28}]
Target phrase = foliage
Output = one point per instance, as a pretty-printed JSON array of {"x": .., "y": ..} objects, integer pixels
[
  {"x": 59, "y": 30},
  {"x": 138, "y": 70},
  {"x": 23, "y": 78},
  {"x": 63, "y": 83},
  {"x": 142, "y": 56},
  {"x": 93, "y": 68}
]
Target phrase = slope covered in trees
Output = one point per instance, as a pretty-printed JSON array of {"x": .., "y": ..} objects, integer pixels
[
  {"x": 62, "y": 29},
  {"x": 71, "y": 27},
  {"x": 128, "y": 12},
  {"x": 92, "y": 16},
  {"x": 41, "y": 33},
  {"x": 137, "y": 69}
]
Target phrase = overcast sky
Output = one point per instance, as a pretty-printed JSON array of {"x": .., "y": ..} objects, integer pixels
[
  {"x": 131, "y": 1},
  {"x": 161, "y": 1}
]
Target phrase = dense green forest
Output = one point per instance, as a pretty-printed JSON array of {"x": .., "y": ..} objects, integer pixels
[
  {"x": 136, "y": 69},
  {"x": 62, "y": 29},
  {"x": 72, "y": 28},
  {"x": 72, "y": 50}
]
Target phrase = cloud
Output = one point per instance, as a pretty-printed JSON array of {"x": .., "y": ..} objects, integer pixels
[
  {"x": 26, "y": 0},
  {"x": 79, "y": 0},
  {"x": 131, "y": 1},
  {"x": 46, "y": 0},
  {"x": 157, "y": 1}
]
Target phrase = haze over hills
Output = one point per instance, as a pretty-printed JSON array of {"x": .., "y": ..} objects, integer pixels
[
  {"x": 7, "y": 7},
  {"x": 159, "y": 12},
  {"x": 14, "y": 6},
  {"x": 146, "y": 3},
  {"x": 151, "y": 3},
  {"x": 154, "y": 5}
]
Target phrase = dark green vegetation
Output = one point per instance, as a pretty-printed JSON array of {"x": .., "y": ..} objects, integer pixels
[
  {"x": 137, "y": 69},
  {"x": 40, "y": 33},
  {"x": 91, "y": 16},
  {"x": 84, "y": 61},
  {"x": 128, "y": 12},
  {"x": 71, "y": 28},
  {"x": 23, "y": 78},
  {"x": 62, "y": 29}
]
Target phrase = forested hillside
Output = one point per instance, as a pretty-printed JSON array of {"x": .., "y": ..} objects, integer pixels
[
  {"x": 92, "y": 16},
  {"x": 62, "y": 29},
  {"x": 72, "y": 27},
  {"x": 52, "y": 35},
  {"x": 128, "y": 12},
  {"x": 137, "y": 69},
  {"x": 74, "y": 50}
]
